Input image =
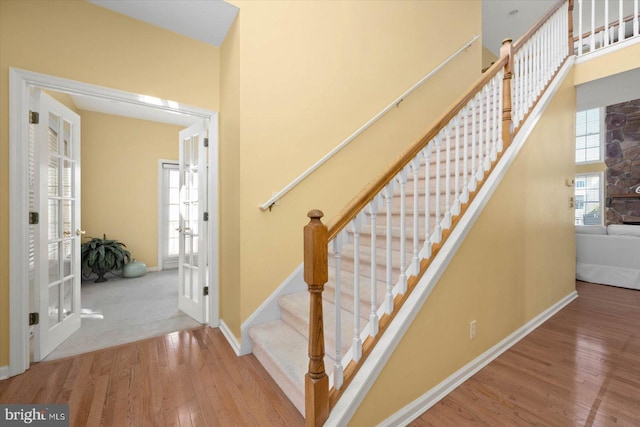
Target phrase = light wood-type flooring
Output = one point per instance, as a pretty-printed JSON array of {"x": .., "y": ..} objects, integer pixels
[{"x": 580, "y": 368}]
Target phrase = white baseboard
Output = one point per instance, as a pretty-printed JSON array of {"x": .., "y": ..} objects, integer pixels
[
  {"x": 433, "y": 396},
  {"x": 231, "y": 338},
  {"x": 4, "y": 372},
  {"x": 151, "y": 269}
]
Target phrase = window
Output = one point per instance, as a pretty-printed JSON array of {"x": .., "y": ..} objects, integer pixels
[
  {"x": 589, "y": 126},
  {"x": 169, "y": 215},
  {"x": 588, "y": 199}
]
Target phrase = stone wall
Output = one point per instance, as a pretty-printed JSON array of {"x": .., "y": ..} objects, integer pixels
[{"x": 622, "y": 124}]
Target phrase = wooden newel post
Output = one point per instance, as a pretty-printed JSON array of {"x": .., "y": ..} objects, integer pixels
[
  {"x": 506, "y": 50},
  {"x": 316, "y": 274},
  {"x": 571, "y": 45}
]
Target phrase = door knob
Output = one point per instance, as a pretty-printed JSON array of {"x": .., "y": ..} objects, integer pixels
[
  {"x": 67, "y": 233},
  {"x": 79, "y": 232},
  {"x": 179, "y": 229}
]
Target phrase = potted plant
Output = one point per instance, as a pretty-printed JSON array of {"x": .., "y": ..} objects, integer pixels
[{"x": 101, "y": 255}]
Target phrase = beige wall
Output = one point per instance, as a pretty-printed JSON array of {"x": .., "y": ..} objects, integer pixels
[
  {"x": 607, "y": 65},
  {"x": 80, "y": 41},
  {"x": 309, "y": 74},
  {"x": 531, "y": 265},
  {"x": 488, "y": 58},
  {"x": 120, "y": 179}
]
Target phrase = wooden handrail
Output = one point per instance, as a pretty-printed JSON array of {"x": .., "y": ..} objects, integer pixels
[
  {"x": 602, "y": 27},
  {"x": 316, "y": 274},
  {"x": 525, "y": 38},
  {"x": 365, "y": 196}
]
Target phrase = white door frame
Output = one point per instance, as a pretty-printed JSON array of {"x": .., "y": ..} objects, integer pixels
[{"x": 19, "y": 83}]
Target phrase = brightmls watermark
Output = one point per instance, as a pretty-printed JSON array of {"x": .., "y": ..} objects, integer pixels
[{"x": 34, "y": 415}]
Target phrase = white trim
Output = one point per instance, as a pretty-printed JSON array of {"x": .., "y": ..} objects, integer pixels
[
  {"x": 607, "y": 50},
  {"x": 231, "y": 338},
  {"x": 413, "y": 410},
  {"x": 270, "y": 310},
  {"x": 19, "y": 83},
  {"x": 272, "y": 201},
  {"x": 4, "y": 372},
  {"x": 153, "y": 269},
  {"x": 214, "y": 221},
  {"x": 373, "y": 365}
]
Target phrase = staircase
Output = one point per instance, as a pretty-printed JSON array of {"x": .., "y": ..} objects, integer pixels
[
  {"x": 368, "y": 261},
  {"x": 281, "y": 346}
]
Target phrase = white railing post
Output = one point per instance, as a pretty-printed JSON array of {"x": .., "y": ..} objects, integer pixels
[
  {"x": 373, "y": 317},
  {"x": 338, "y": 370},
  {"x": 415, "y": 167},
  {"x": 388, "y": 297},
  {"x": 464, "y": 197},
  {"x": 455, "y": 209},
  {"x": 356, "y": 224},
  {"x": 436, "y": 237},
  {"x": 636, "y": 24},
  {"x": 402, "y": 281},
  {"x": 620, "y": 21},
  {"x": 426, "y": 154},
  {"x": 593, "y": 26},
  {"x": 580, "y": 27}
]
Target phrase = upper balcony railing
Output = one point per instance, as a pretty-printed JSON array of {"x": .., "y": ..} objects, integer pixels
[
  {"x": 605, "y": 23},
  {"x": 377, "y": 249}
]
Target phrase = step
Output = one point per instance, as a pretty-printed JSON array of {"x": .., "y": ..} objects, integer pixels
[
  {"x": 295, "y": 312},
  {"x": 283, "y": 353},
  {"x": 347, "y": 294},
  {"x": 347, "y": 262}
]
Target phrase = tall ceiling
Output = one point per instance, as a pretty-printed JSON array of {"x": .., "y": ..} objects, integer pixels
[{"x": 204, "y": 20}]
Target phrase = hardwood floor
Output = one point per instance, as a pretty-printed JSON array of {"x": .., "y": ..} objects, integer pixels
[
  {"x": 187, "y": 378},
  {"x": 580, "y": 368}
]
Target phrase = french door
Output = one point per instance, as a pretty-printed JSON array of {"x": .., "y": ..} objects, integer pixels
[
  {"x": 57, "y": 235},
  {"x": 193, "y": 225}
]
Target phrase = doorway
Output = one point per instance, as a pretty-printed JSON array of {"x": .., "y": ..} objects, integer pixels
[{"x": 20, "y": 83}]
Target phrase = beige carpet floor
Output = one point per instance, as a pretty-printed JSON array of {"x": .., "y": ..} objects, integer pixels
[{"x": 124, "y": 310}]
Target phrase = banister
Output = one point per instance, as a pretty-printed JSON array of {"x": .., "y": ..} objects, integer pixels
[
  {"x": 525, "y": 38},
  {"x": 269, "y": 203},
  {"x": 602, "y": 27},
  {"x": 366, "y": 195}
]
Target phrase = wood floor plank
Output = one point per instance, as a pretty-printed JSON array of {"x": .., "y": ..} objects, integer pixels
[
  {"x": 187, "y": 378},
  {"x": 580, "y": 368}
]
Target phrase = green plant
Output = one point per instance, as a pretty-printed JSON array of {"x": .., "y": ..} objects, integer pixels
[{"x": 101, "y": 255}]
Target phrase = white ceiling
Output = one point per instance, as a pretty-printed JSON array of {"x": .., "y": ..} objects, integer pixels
[
  {"x": 500, "y": 19},
  {"x": 204, "y": 20}
]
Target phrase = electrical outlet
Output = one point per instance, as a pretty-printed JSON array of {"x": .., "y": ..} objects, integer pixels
[{"x": 472, "y": 329}]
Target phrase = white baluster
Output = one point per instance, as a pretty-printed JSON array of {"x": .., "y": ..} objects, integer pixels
[
  {"x": 473, "y": 180},
  {"x": 426, "y": 154},
  {"x": 373, "y": 317},
  {"x": 402, "y": 280},
  {"x": 436, "y": 237},
  {"x": 580, "y": 27},
  {"x": 464, "y": 197},
  {"x": 446, "y": 219},
  {"x": 415, "y": 167},
  {"x": 593, "y": 26},
  {"x": 487, "y": 142},
  {"x": 496, "y": 119},
  {"x": 338, "y": 370},
  {"x": 388, "y": 298},
  {"x": 356, "y": 224},
  {"x": 480, "y": 170},
  {"x": 515, "y": 96},
  {"x": 605, "y": 40},
  {"x": 455, "y": 209},
  {"x": 620, "y": 20},
  {"x": 500, "y": 106},
  {"x": 636, "y": 23}
]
